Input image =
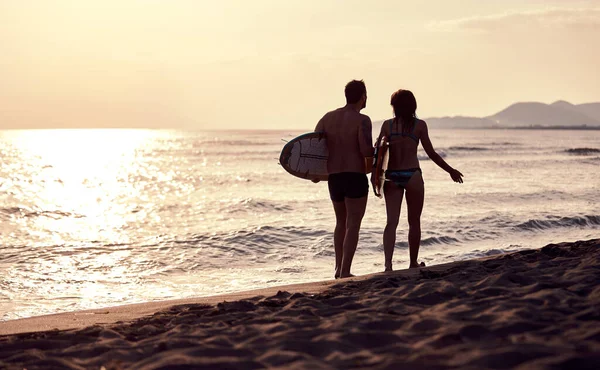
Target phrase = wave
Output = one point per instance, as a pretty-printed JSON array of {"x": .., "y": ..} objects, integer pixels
[
  {"x": 468, "y": 148},
  {"x": 234, "y": 143},
  {"x": 434, "y": 240},
  {"x": 478, "y": 253},
  {"x": 27, "y": 213},
  {"x": 439, "y": 240},
  {"x": 591, "y": 160},
  {"x": 542, "y": 196},
  {"x": 291, "y": 270},
  {"x": 249, "y": 205},
  {"x": 491, "y": 198},
  {"x": 582, "y": 151},
  {"x": 505, "y": 143},
  {"x": 425, "y": 157},
  {"x": 13, "y": 210},
  {"x": 263, "y": 239},
  {"x": 557, "y": 222},
  {"x": 239, "y": 153}
]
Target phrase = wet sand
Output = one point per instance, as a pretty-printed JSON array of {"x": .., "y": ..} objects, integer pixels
[{"x": 534, "y": 309}]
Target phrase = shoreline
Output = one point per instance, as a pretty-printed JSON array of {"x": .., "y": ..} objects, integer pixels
[
  {"x": 121, "y": 313},
  {"x": 531, "y": 309}
]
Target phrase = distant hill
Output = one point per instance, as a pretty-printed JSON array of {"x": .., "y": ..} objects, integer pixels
[
  {"x": 564, "y": 105},
  {"x": 540, "y": 114},
  {"x": 529, "y": 114},
  {"x": 590, "y": 109},
  {"x": 460, "y": 122}
]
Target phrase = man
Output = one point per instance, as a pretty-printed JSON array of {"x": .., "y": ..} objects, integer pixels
[{"x": 349, "y": 140}]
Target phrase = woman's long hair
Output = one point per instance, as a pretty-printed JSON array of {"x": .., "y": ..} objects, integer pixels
[{"x": 405, "y": 107}]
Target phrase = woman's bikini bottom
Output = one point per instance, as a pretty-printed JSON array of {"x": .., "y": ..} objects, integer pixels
[{"x": 401, "y": 177}]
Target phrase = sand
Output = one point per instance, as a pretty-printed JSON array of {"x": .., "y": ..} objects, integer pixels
[{"x": 534, "y": 309}]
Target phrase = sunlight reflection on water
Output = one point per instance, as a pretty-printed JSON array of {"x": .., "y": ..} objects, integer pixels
[
  {"x": 80, "y": 187},
  {"x": 84, "y": 173}
]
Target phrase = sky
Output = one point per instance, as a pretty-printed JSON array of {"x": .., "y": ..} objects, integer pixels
[{"x": 273, "y": 64}]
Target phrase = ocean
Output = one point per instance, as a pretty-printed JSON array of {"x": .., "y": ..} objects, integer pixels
[{"x": 96, "y": 218}]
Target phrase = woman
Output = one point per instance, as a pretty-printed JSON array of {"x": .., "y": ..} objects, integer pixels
[{"x": 404, "y": 174}]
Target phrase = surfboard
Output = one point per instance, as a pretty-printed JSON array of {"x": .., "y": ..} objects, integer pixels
[
  {"x": 380, "y": 162},
  {"x": 306, "y": 156}
]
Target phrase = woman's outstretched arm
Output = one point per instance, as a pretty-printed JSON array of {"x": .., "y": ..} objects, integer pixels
[{"x": 426, "y": 142}]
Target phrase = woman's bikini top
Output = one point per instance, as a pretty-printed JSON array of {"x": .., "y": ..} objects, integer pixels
[{"x": 410, "y": 135}]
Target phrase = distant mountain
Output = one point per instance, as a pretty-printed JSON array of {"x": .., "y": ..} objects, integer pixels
[
  {"x": 564, "y": 105},
  {"x": 460, "y": 122},
  {"x": 540, "y": 114},
  {"x": 450, "y": 122},
  {"x": 590, "y": 109},
  {"x": 529, "y": 114}
]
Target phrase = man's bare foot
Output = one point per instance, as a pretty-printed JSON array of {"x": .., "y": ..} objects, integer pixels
[
  {"x": 337, "y": 274},
  {"x": 416, "y": 266},
  {"x": 388, "y": 268},
  {"x": 346, "y": 276}
]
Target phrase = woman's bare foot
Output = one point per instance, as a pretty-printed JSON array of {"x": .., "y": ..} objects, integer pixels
[{"x": 416, "y": 265}]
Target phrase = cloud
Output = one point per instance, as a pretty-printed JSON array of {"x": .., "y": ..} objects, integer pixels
[{"x": 550, "y": 18}]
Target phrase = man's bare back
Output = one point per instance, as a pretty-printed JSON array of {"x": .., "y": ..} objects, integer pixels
[{"x": 349, "y": 140}]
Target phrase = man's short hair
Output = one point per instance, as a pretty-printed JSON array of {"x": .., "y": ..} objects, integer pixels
[{"x": 354, "y": 91}]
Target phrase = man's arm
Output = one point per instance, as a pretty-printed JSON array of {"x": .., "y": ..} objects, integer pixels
[
  {"x": 320, "y": 128},
  {"x": 382, "y": 133},
  {"x": 365, "y": 142},
  {"x": 365, "y": 137}
]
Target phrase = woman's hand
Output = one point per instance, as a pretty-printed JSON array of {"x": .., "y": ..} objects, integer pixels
[{"x": 456, "y": 175}]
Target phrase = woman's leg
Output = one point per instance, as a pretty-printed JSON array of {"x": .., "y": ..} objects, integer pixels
[
  {"x": 415, "y": 195},
  {"x": 393, "y": 201}
]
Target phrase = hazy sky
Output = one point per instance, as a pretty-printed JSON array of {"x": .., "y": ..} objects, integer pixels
[{"x": 203, "y": 64}]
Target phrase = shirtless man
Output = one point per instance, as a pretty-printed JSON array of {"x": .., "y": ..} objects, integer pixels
[{"x": 350, "y": 144}]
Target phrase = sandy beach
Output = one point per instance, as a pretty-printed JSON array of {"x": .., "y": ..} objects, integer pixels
[{"x": 534, "y": 309}]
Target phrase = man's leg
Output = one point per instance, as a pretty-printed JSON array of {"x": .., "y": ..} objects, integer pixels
[
  {"x": 339, "y": 235},
  {"x": 355, "y": 208}
]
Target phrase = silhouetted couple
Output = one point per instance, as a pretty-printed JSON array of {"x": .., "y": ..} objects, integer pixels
[{"x": 350, "y": 144}]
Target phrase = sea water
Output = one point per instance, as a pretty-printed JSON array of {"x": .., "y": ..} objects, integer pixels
[{"x": 96, "y": 218}]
